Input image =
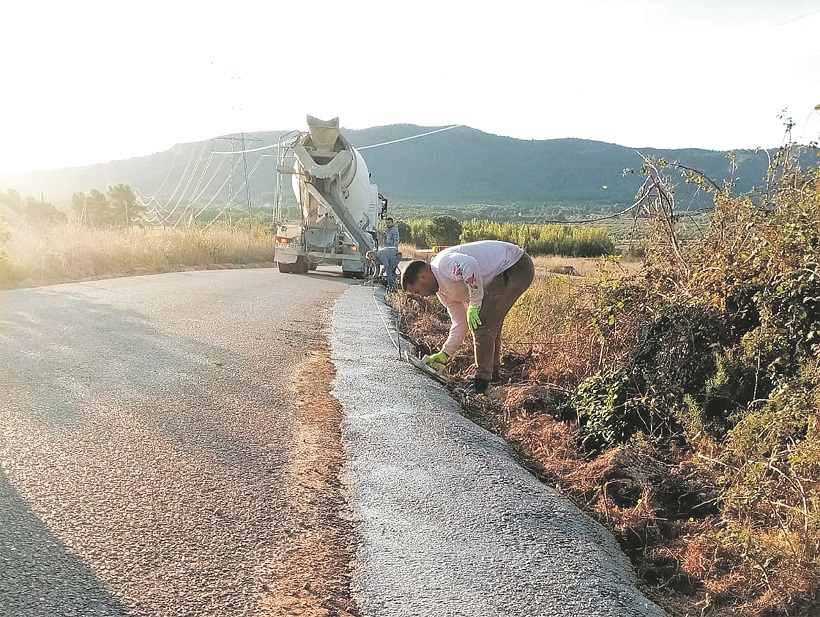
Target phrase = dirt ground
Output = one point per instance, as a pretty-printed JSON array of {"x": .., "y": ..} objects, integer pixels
[{"x": 312, "y": 578}]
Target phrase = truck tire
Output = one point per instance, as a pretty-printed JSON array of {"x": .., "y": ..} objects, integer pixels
[
  {"x": 300, "y": 266},
  {"x": 285, "y": 268}
]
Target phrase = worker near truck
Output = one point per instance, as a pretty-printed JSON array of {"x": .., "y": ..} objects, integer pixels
[
  {"x": 478, "y": 283},
  {"x": 391, "y": 238},
  {"x": 388, "y": 258}
]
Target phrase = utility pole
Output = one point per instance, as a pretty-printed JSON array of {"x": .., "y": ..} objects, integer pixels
[
  {"x": 242, "y": 139},
  {"x": 245, "y": 166}
]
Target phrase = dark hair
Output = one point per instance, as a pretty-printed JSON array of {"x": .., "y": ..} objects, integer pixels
[
  {"x": 389, "y": 218},
  {"x": 411, "y": 273}
]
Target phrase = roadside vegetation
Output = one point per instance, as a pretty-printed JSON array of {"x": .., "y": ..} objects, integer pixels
[
  {"x": 680, "y": 405},
  {"x": 63, "y": 251}
]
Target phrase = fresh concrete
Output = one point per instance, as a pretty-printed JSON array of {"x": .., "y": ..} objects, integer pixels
[{"x": 448, "y": 523}]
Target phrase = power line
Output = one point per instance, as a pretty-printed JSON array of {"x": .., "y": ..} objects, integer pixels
[
  {"x": 798, "y": 18},
  {"x": 245, "y": 151},
  {"x": 395, "y": 141}
]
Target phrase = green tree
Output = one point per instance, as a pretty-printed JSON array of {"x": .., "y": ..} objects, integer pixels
[
  {"x": 443, "y": 230},
  {"x": 13, "y": 200},
  {"x": 78, "y": 206},
  {"x": 405, "y": 233},
  {"x": 98, "y": 210},
  {"x": 126, "y": 210},
  {"x": 42, "y": 213}
]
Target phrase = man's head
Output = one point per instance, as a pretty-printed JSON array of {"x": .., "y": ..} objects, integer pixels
[
  {"x": 389, "y": 222},
  {"x": 418, "y": 279}
]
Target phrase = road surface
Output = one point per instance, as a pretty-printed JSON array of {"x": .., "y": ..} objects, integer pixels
[{"x": 157, "y": 454}]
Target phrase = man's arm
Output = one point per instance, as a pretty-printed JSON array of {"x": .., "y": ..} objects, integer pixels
[{"x": 458, "y": 327}]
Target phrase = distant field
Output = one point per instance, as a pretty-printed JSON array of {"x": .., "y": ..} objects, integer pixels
[
  {"x": 626, "y": 228},
  {"x": 627, "y": 232}
]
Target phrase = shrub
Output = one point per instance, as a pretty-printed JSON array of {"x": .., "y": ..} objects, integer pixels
[{"x": 719, "y": 357}]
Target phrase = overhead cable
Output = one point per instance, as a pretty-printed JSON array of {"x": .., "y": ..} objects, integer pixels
[
  {"x": 395, "y": 141},
  {"x": 244, "y": 151}
]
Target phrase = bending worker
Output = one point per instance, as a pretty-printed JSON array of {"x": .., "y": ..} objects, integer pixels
[
  {"x": 478, "y": 283},
  {"x": 389, "y": 257}
]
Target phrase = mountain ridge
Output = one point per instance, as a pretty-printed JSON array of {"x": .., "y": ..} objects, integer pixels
[{"x": 457, "y": 166}]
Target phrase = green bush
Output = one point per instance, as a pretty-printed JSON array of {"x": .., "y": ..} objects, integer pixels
[{"x": 716, "y": 352}]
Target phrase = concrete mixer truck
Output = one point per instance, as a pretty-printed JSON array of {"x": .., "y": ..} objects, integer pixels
[{"x": 339, "y": 207}]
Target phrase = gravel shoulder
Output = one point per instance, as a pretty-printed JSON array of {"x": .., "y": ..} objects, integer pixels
[{"x": 447, "y": 522}]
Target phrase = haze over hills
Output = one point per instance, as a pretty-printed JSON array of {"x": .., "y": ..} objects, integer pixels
[{"x": 453, "y": 167}]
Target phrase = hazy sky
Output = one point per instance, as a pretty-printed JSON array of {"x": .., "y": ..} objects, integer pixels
[{"x": 87, "y": 82}]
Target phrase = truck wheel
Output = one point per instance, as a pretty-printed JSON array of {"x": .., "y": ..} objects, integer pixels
[
  {"x": 286, "y": 268},
  {"x": 300, "y": 266}
]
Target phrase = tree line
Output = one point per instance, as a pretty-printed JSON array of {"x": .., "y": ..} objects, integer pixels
[
  {"x": 552, "y": 239},
  {"x": 32, "y": 210},
  {"x": 117, "y": 207}
]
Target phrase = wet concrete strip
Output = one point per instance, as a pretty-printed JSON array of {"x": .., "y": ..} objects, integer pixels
[{"x": 447, "y": 522}]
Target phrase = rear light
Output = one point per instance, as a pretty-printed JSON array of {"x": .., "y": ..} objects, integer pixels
[
  {"x": 354, "y": 248},
  {"x": 283, "y": 240}
]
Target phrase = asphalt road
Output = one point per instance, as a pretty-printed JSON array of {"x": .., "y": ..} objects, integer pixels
[{"x": 147, "y": 425}]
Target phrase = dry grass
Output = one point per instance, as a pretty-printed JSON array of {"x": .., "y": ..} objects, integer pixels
[
  {"x": 409, "y": 251},
  {"x": 550, "y": 324},
  {"x": 554, "y": 264},
  {"x": 586, "y": 266},
  {"x": 42, "y": 256}
]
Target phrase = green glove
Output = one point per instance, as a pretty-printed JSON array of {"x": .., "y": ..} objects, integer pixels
[
  {"x": 436, "y": 358},
  {"x": 472, "y": 317}
]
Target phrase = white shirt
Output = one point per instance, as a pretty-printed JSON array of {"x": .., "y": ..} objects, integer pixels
[{"x": 462, "y": 272}]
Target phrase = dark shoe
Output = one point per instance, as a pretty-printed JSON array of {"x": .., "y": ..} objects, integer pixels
[{"x": 478, "y": 386}]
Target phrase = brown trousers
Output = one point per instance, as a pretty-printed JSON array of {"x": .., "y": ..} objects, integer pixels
[{"x": 499, "y": 296}]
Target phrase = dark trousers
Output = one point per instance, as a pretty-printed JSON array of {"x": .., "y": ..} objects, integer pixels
[{"x": 499, "y": 296}]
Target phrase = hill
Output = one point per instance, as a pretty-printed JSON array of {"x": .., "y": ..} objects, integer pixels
[{"x": 455, "y": 167}]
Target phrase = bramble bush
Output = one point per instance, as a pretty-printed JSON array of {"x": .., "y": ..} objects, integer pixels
[{"x": 715, "y": 353}]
